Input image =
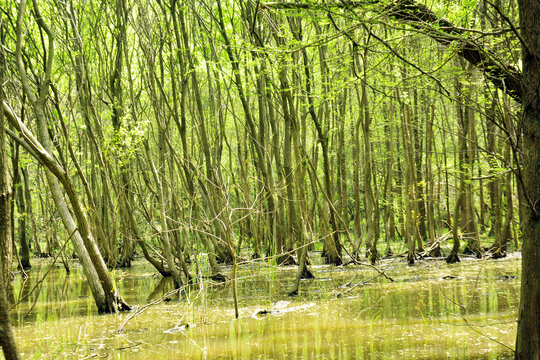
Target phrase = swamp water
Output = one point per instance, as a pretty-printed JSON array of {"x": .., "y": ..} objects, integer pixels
[{"x": 430, "y": 311}]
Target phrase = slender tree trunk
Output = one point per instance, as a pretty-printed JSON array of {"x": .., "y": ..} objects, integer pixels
[
  {"x": 462, "y": 171},
  {"x": 389, "y": 231},
  {"x": 494, "y": 183},
  {"x": 371, "y": 214},
  {"x": 473, "y": 242},
  {"x": 30, "y": 213},
  {"x": 410, "y": 233},
  {"x": 22, "y": 222},
  {"x": 356, "y": 178},
  {"x": 500, "y": 245},
  {"x": 417, "y": 132},
  {"x": 19, "y": 200},
  {"x": 290, "y": 132},
  {"x": 430, "y": 180}
]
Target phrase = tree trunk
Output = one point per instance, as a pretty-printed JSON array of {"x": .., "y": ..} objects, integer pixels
[
  {"x": 6, "y": 198},
  {"x": 7, "y": 341},
  {"x": 430, "y": 180},
  {"x": 388, "y": 187},
  {"x": 500, "y": 245},
  {"x": 528, "y": 334},
  {"x": 23, "y": 216},
  {"x": 473, "y": 242},
  {"x": 494, "y": 183},
  {"x": 419, "y": 190},
  {"x": 372, "y": 217},
  {"x": 30, "y": 213},
  {"x": 356, "y": 178},
  {"x": 410, "y": 233},
  {"x": 461, "y": 197}
]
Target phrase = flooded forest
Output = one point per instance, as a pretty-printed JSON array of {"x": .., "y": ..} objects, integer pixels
[{"x": 238, "y": 179}]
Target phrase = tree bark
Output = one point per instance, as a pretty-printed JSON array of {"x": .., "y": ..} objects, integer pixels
[
  {"x": 528, "y": 334},
  {"x": 7, "y": 341},
  {"x": 430, "y": 180},
  {"x": 22, "y": 221}
]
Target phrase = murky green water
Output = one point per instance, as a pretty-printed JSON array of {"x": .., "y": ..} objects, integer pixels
[{"x": 430, "y": 311}]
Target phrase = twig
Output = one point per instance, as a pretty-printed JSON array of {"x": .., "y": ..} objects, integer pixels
[
  {"x": 357, "y": 285},
  {"x": 486, "y": 336},
  {"x": 356, "y": 262},
  {"x": 128, "y": 347},
  {"x": 145, "y": 307}
]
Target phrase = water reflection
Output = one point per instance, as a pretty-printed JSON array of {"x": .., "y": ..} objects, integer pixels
[{"x": 430, "y": 311}]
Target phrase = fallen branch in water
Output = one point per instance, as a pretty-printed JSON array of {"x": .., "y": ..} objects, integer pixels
[
  {"x": 145, "y": 307},
  {"x": 356, "y": 262},
  {"x": 280, "y": 308},
  {"x": 341, "y": 293},
  {"x": 486, "y": 336},
  {"x": 435, "y": 244}
]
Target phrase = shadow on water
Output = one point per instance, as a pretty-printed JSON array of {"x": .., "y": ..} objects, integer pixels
[{"x": 429, "y": 311}]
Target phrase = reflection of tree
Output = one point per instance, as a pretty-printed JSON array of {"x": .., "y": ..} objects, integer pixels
[
  {"x": 160, "y": 289},
  {"x": 26, "y": 288}
]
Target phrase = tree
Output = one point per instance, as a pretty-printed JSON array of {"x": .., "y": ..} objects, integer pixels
[
  {"x": 7, "y": 341},
  {"x": 528, "y": 337}
]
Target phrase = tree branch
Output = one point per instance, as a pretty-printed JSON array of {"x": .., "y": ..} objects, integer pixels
[{"x": 504, "y": 76}]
